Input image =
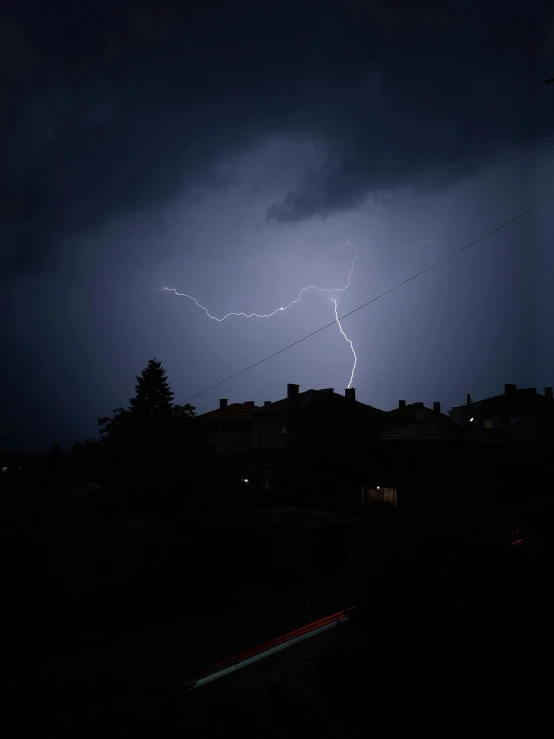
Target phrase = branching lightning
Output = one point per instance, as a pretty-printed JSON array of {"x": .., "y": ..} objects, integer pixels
[{"x": 293, "y": 302}]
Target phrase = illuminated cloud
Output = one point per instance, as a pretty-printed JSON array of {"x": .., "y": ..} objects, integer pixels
[{"x": 125, "y": 106}]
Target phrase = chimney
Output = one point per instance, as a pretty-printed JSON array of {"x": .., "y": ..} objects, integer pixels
[
  {"x": 401, "y": 403},
  {"x": 468, "y": 400},
  {"x": 292, "y": 391},
  {"x": 222, "y": 403},
  {"x": 437, "y": 406},
  {"x": 548, "y": 393},
  {"x": 350, "y": 393},
  {"x": 510, "y": 389},
  {"x": 267, "y": 402},
  {"x": 249, "y": 403}
]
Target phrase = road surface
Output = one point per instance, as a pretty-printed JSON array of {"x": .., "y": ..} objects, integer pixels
[
  {"x": 189, "y": 648},
  {"x": 293, "y": 667}
]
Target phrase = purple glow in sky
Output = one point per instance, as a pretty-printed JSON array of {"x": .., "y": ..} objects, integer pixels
[
  {"x": 296, "y": 301},
  {"x": 230, "y": 155}
]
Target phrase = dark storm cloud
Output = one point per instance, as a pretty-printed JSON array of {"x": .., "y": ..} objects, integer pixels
[{"x": 119, "y": 107}]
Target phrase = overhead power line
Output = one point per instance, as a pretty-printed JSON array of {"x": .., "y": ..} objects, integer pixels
[
  {"x": 319, "y": 379},
  {"x": 369, "y": 302},
  {"x": 443, "y": 325},
  {"x": 543, "y": 367}
]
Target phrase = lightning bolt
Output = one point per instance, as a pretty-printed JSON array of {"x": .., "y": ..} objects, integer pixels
[
  {"x": 349, "y": 341},
  {"x": 282, "y": 308},
  {"x": 293, "y": 302}
]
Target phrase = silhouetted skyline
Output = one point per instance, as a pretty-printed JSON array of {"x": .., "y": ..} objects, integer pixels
[{"x": 229, "y": 153}]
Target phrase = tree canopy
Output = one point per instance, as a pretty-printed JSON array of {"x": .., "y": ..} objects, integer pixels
[
  {"x": 153, "y": 396},
  {"x": 153, "y": 443},
  {"x": 152, "y": 403}
]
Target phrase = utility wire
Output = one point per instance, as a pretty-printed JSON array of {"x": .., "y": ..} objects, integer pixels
[
  {"x": 543, "y": 367},
  {"x": 444, "y": 325},
  {"x": 319, "y": 379},
  {"x": 369, "y": 302}
]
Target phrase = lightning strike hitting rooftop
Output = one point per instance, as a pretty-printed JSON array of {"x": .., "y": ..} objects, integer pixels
[{"x": 349, "y": 341}]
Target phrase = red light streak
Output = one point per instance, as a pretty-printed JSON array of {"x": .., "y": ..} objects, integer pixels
[{"x": 269, "y": 644}]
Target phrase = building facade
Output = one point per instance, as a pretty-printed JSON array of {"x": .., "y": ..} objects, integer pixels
[
  {"x": 426, "y": 471},
  {"x": 518, "y": 414},
  {"x": 229, "y": 429},
  {"x": 316, "y": 440}
]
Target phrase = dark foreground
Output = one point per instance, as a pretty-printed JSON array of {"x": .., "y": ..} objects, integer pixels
[{"x": 106, "y": 618}]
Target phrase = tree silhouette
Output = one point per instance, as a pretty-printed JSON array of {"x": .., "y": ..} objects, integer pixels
[
  {"x": 152, "y": 403},
  {"x": 153, "y": 443},
  {"x": 185, "y": 410},
  {"x": 154, "y": 397}
]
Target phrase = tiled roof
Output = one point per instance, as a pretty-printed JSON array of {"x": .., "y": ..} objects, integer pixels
[
  {"x": 319, "y": 399},
  {"x": 431, "y": 429},
  {"x": 479, "y": 434},
  {"x": 301, "y": 400},
  {"x": 410, "y": 412},
  {"x": 408, "y": 407},
  {"x": 234, "y": 412},
  {"x": 521, "y": 399},
  {"x": 442, "y": 429}
]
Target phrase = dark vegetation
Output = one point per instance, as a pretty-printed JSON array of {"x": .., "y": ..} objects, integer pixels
[
  {"x": 155, "y": 538},
  {"x": 448, "y": 625}
]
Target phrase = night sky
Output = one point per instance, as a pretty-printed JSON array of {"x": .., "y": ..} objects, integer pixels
[{"x": 229, "y": 152}]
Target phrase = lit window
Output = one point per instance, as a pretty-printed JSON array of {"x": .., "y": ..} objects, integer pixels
[
  {"x": 488, "y": 424},
  {"x": 283, "y": 429},
  {"x": 389, "y": 496}
]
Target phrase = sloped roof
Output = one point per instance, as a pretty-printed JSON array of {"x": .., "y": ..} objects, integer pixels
[
  {"x": 231, "y": 413},
  {"x": 430, "y": 429},
  {"x": 300, "y": 400},
  {"x": 319, "y": 399},
  {"x": 479, "y": 434},
  {"x": 519, "y": 400},
  {"x": 409, "y": 413},
  {"x": 409, "y": 406},
  {"x": 442, "y": 428}
]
